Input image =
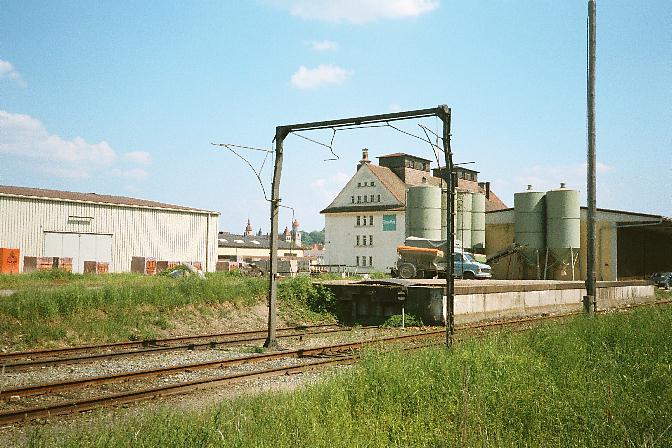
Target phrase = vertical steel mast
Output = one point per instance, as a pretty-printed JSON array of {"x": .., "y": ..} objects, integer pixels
[{"x": 589, "y": 301}]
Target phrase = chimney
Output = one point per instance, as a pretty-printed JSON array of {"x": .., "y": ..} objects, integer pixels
[
  {"x": 487, "y": 190},
  {"x": 365, "y": 158}
]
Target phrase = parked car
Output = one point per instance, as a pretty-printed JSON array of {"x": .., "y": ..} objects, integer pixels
[{"x": 662, "y": 279}]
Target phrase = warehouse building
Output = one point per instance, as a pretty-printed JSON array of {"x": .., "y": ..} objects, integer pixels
[
  {"x": 544, "y": 236},
  {"x": 369, "y": 218},
  {"x": 102, "y": 228}
]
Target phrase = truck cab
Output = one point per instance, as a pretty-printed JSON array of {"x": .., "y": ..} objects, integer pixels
[{"x": 466, "y": 266}]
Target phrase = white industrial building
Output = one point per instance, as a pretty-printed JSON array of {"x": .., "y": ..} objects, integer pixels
[
  {"x": 102, "y": 228},
  {"x": 366, "y": 221}
]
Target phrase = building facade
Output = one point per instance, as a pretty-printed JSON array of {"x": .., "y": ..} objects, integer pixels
[{"x": 102, "y": 228}]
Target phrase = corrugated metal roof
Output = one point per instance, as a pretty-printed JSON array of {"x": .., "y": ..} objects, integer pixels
[{"x": 41, "y": 193}]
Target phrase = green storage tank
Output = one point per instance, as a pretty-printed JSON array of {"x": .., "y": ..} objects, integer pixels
[
  {"x": 444, "y": 216},
  {"x": 423, "y": 212},
  {"x": 563, "y": 225},
  {"x": 530, "y": 224},
  {"x": 478, "y": 222},
  {"x": 463, "y": 218}
]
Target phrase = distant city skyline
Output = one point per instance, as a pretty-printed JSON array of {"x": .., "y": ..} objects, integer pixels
[{"x": 125, "y": 99}]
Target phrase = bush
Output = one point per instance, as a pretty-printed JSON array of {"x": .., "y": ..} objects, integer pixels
[{"x": 409, "y": 321}]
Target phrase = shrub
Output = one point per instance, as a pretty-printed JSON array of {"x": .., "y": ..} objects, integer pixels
[{"x": 395, "y": 321}]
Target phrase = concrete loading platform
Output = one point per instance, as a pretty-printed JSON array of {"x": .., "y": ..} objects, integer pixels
[{"x": 475, "y": 300}]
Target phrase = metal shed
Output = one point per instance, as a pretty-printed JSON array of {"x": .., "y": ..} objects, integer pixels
[{"x": 113, "y": 229}]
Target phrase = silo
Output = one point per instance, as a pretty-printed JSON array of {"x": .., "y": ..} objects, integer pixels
[
  {"x": 463, "y": 218},
  {"x": 444, "y": 216},
  {"x": 530, "y": 227},
  {"x": 478, "y": 222},
  {"x": 423, "y": 212},
  {"x": 563, "y": 229}
]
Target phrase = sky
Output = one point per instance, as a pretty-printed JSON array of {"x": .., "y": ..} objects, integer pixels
[{"x": 126, "y": 97}]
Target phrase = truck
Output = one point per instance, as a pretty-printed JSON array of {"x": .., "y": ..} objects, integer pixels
[{"x": 421, "y": 258}]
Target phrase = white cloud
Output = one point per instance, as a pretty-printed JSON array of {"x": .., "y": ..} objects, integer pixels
[
  {"x": 23, "y": 135},
  {"x": 8, "y": 71},
  {"x": 326, "y": 189},
  {"x": 139, "y": 157},
  {"x": 310, "y": 78},
  {"x": 136, "y": 174},
  {"x": 26, "y": 137},
  {"x": 360, "y": 11},
  {"x": 323, "y": 45}
]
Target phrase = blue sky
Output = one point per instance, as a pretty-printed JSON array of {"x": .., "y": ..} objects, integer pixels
[{"x": 125, "y": 97}]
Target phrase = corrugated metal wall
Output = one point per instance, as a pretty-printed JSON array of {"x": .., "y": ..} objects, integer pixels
[{"x": 164, "y": 234}]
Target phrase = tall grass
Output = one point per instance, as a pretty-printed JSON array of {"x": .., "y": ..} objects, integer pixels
[
  {"x": 593, "y": 382},
  {"x": 122, "y": 307}
]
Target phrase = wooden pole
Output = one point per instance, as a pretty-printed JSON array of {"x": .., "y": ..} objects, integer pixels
[
  {"x": 589, "y": 301},
  {"x": 271, "y": 341}
]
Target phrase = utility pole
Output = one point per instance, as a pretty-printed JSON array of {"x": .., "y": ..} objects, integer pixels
[
  {"x": 589, "y": 301},
  {"x": 445, "y": 115},
  {"x": 271, "y": 341}
]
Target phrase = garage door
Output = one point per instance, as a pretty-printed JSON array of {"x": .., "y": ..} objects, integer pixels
[{"x": 80, "y": 247}]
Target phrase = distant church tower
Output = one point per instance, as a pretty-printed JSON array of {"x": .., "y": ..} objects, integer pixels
[
  {"x": 296, "y": 233},
  {"x": 248, "y": 228}
]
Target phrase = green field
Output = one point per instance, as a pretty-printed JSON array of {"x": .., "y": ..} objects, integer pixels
[
  {"x": 605, "y": 381},
  {"x": 56, "y": 308}
]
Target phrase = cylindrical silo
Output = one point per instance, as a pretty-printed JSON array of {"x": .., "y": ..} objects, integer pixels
[
  {"x": 478, "y": 222},
  {"x": 530, "y": 227},
  {"x": 463, "y": 218},
  {"x": 444, "y": 216},
  {"x": 563, "y": 229},
  {"x": 423, "y": 212}
]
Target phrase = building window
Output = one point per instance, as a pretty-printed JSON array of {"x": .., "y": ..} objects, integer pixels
[
  {"x": 365, "y": 197},
  {"x": 356, "y": 261},
  {"x": 359, "y": 184},
  {"x": 363, "y": 240},
  {"x": 370, "y": 220},
  {"x": 359, "y": 199},
  {"x": 378, "y": 198},
  {"x": 370, "y": 261},
  {"x": 352, "y": 198},
  {"x": 372, "y": 184},
  {"x": 364, "y": 261},
  {"x": 358, "y": 221},
  {"x": 358, "y": 240},
  {"x": 372, "y": 198},
  {"x": 370, "y": 240}
]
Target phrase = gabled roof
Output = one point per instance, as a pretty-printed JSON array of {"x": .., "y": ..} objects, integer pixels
[
  {"x": 41, "y": 193},
  {"x": 390, "y": 180},
  {"x": 492, "y": 202}
]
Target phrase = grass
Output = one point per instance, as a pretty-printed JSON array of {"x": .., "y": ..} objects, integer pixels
[
  {"x": 56, "y": 308},
  {"x": 604, "y": 381}
]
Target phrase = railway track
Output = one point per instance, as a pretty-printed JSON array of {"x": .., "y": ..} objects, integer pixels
[
  {"x": 20, "y": 361},
  {"x": 329, "y": 355},
  {"x": 333, "y": 353}
]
